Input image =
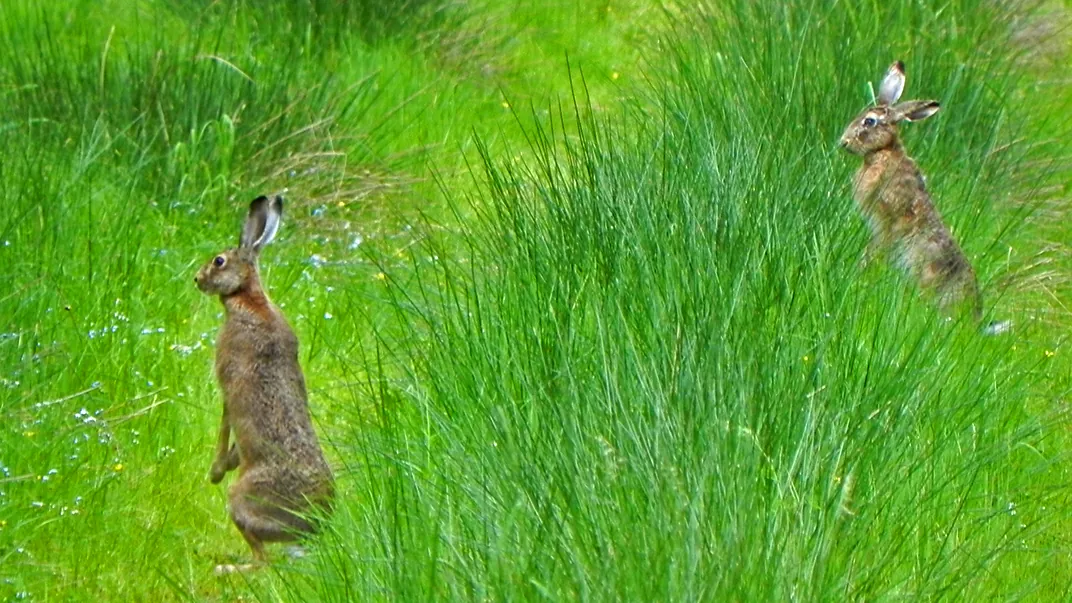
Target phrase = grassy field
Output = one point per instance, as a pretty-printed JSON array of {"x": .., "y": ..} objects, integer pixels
[{"x": 577, "y": 290}]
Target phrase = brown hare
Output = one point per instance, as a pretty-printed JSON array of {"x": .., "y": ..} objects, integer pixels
[
  {"x": 282, "y": 473},
  {"x": 892, "y": 196}
]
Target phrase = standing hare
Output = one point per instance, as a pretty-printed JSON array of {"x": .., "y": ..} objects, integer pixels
[
  {"x": 892, "y": 196},
  {"x": 282, "y": 474}
]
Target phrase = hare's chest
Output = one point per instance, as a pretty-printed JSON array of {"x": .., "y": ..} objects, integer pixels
[
  {"x": 866, "y": 185},
  {"x": 228, "y": 366},
  {"x": 235, "y": 359}
]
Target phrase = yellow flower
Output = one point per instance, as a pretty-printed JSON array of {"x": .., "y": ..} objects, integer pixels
[
  {"x": 341, "y": 204},
  {"x": 29, "y": 434},
  {"x": 1050, "y": 354},
  {"x": 614, "y": 75},
  {"x": 806, "y": 358},
  {"x": 380, "y": 276},
  {"x": 118, "y": 467},
  {"x": 505, "y": 105}
]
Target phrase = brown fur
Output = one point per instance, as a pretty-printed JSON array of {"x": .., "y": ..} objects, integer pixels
[
  {"x": 282, "y": 473},
  {"x": 892, "y": 195}
]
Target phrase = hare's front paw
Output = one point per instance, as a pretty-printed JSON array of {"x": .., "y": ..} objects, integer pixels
[
  {"x": 215, "y": 475},
  {"x": 223, "y": 464}
]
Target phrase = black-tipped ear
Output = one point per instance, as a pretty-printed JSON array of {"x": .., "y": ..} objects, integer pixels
[
  {"x": 892, "y": 85},
  {"x": 915, "y": 110},
  {"x": 262, "y": 222}
]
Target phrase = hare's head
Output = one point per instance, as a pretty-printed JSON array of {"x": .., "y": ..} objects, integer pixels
[
  {"x": 234, "y": 269},
  {"x": 876, "y": 127}
]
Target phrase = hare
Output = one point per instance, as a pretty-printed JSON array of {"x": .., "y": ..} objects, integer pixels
[
  {"x": 892, "y": 196},
  {"x": 282, "y": 473}
]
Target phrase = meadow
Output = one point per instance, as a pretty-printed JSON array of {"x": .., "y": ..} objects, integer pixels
[{"x": 577, "y": 291}]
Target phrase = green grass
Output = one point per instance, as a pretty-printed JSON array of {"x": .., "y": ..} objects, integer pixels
[{"x": 577, "y": 293}]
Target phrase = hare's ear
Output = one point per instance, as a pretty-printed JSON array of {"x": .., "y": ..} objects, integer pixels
[
  {"x": 892, "y": 85},
  {"x": 262, "y": 222},
  {"x": 915, "y": 110}
]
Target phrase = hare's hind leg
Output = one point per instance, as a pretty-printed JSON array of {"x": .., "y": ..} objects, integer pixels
[
  {"x": 259, "y": 523},
  {"x": 260, "y": 518},
  {"x": 955, "y": 288}
]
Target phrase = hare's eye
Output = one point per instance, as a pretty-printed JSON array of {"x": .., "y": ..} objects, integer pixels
[
  {"x": 869, "y": 122},
  {"x": 219, "y": 261}
]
